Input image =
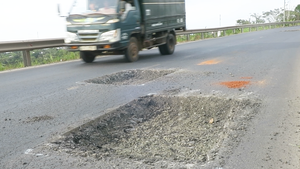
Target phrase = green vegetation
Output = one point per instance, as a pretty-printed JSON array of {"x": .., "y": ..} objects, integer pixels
[
  {"x": 13, "y": 60},
  {"x": 276, "y": 15},
  {"x": 192, "y": 37}
]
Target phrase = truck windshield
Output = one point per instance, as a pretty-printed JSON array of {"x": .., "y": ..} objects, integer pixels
[{"x": 87, "y": 7}]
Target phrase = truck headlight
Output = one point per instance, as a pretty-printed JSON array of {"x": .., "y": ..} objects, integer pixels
[
  {"x": 111, "y": 36},
  {"x": 71, "y": 37}
]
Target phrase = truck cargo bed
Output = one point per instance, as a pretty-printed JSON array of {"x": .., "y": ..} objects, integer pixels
[{"x": 163, "y": 14}]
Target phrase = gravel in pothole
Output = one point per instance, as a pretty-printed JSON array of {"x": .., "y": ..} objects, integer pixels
[
  {"x": 154, "y": 128},
  {"x": 129, "y": 77}
]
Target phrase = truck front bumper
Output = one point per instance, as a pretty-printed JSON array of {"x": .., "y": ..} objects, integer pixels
[{"x": 98, "y": 48}]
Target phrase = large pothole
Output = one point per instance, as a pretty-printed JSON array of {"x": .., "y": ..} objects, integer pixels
[
  {"x": 129, "y": 77},
  {"x": 172, "y": 128}
]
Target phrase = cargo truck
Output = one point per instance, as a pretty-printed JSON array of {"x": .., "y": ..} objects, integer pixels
[{"x": 123, "y": 27}]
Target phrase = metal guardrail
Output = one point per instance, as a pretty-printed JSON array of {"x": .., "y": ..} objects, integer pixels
[
  {"x": 26, "y": 46},
  {"x": 234, "y": 28},
  {"x": 30, "y": 44}
]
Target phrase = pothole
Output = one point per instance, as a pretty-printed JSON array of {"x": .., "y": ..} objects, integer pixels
[
  {"x": 131, "y": 77},
  {"x": 155, "y": 128}
]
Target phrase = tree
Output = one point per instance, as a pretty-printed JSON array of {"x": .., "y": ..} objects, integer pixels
[
  {"x": 275, "y": 15},
  {"x": 258, "y": 18},
  {"x": 297, "y": 12},
  {"x": 243, "y": 22},
  {"x": 297, "y": 9}
]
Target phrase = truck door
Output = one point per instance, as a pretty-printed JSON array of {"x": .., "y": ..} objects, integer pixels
[{"x": 130, "y": 20}]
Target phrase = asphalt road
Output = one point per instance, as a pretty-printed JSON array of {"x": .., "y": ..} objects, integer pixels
[{"x": 270, "y": 59}]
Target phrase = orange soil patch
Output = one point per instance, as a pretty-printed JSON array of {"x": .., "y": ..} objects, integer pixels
[
  {"x": 235, "y": 84},
  {"x": 210, "y": 62},
  {"x": 246, "y": 77}
]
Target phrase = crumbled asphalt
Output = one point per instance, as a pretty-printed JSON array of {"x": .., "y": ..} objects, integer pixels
[{"x": 183, "y": 129}]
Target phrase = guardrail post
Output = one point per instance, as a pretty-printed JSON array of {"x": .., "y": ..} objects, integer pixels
[
  {"x": 188, "y": 37},
  {"x": 202, "y": 35},
  {"x": 224, "y": 32},
  {"x": 233, "y": 31},
  {"x": 242, "y": 30},
  {"x": 26, "y": 58},
  {"x": 250, "y": 29},
  {"x": 256, "y": 28}
]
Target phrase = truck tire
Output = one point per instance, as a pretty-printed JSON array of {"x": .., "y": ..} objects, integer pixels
[
  {"x": 169, "y": 47},
  {"x": 87, "y": 57},
  {"x": 132, "y": 52}
]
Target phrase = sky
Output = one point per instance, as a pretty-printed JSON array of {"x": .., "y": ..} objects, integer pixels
[{"x": 38, "y": 19}]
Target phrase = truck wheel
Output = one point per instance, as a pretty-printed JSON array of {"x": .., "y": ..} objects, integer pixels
[
  {"x": 169, "y": 47},
  {"x": 132, "y": 52},
  {"x": 87, "y": 57}
]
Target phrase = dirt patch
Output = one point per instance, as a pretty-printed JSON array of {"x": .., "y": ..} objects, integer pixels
[
  {"x": 235, "y": 84},
  {"x": 155, "y": 128},
  {"x": 131, "y": 77},
  {"x": 38, "y": 119},
  {"x": 210, "y": 62}
]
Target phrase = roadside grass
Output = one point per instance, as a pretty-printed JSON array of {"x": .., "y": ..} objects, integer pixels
[
  {"x": 2, "y": 68},
  {"x": 54, "y": 55},
  {"x": 55, "y": 59},
  {"x": 11, "y": 66},
  {"x": 44, "y": 57}
]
